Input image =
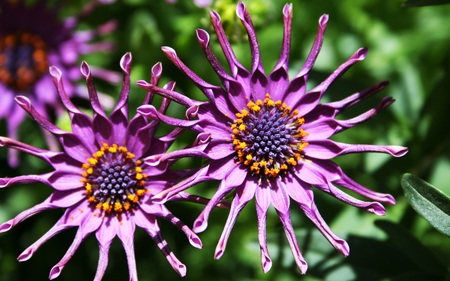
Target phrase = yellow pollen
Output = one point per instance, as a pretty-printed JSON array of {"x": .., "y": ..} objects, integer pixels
[
  {"x": 117, "y": 207},
  {"x": 292, "y": 161},
  {"x": 92, "y": 161}
]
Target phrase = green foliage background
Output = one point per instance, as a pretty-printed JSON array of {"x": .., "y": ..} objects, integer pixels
[{"x": 407, "y": 46}]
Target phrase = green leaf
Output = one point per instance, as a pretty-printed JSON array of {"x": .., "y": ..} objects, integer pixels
[
  {"x": 428, "y": 201},
  {"x": 419, "y": 3}
]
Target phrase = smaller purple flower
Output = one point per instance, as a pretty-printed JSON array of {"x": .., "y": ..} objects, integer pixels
[
  {"x": 104, "y": 178},
  {"x": 270, "y": 136},
  {"x": 31, "y": 39}
]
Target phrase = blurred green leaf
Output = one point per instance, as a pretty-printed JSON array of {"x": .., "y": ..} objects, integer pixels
[
  {"x": 420, "y": 3},
  {"x": 428, "y": 201},
  {"x": 422, "y": 259}
]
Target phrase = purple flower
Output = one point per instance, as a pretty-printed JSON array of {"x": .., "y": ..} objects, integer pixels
[
  {"x": 270, "y": 136},
  {"x": 31, "y": 39},
  {"x": 103, "y": 178}
]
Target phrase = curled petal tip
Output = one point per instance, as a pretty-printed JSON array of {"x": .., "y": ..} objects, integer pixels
[
  {"x": 125, "y": 62},
  {"x": 266, "y": 263},
  {"x": 26, "y": 255},
  {"x": 181, "y": 269},
  {"x": 398, "y": 151},
  {"x": 287, "y": 10},
  {"x": 215, "y": 17},
  {"x": 55, "y": 72},
  {"x": 55, "y": 272},
  {"x": 85, "y": 69},
  {"x": 376, "y": 208},
  {"x": 157, "y": 70},
  {"x": 342, "y": 246},
  {"x": 144, "y": 84},
  {"x": 203, "y": 37},
  {"x": 203, "y": 138},
  {"x": 323, "y": 20},
  {"x": 148, "y": 111},
  {"x": 24, "y": 102},
  {"x": 390, "y": 199},
  {"x": 4, "y": 182},
  {"x": 361, "y": 54},
  {"x": 169, "y": 51},
  {"x": 153, "y": 161},
  {"x": 6, "y": 226},
  {"x": 170, "y": 85},
  {"x": 241, "y": 10},
  {"x": 200, "y": 225},
  {"x": 195, "y": 241},
  {"x": 192, "y": 112},
  {"x": 303, "y": 266},
  {"x": 219, "y": 253}
]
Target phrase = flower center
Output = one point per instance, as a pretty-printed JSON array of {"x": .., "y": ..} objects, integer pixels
[
  {"x": 23, "y": 60},
  {"x": 113, "y": 180},
  {"x": 267, "y": 137}
]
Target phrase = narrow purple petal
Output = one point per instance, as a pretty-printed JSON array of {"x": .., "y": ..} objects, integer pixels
[
  {"x": 26, "y": 179},
  {"x": 71, "y": 218},
  {"x": 88, "y": 225},
  {"x": 17, "y": 145},
  {"x": 165, "y": 195},
  {"x": 43, "y": 206},
  {"x": 102, "y": 260},
  {"x": 150, "y": 225},
  {"x": 292, "y": 239},
  {"x": 72, "y": 144},
  {"x": 119, "y": 116},
  {"x": 317, "y": 92},
  {"x": 279, "y": 197},
  {"x": 313, "y": 174},
  {"x": 56, "y": 75},
  {"x": 202, "y": 84},
  {"x": 258, "y": 77},
  {"x": 315, "y": 48},
  {"x": 161, "y": 211},
  {"x": 95, "y": 102},
  {"x": 149, "y": 111},
  {"x": 337, "y": 176},
  {"x": 304, "y": 197},
  {"x": 235, "y": 91},
  {"x": 328, "y": 149},
  {"x": 237, "y": 70},
  {"x": 279, "y": 77},
  {"x": 233, "y": 179},
  {"x": 175, "y": 96},
  {"x": 243, "y": 195},
  {"x": 125, "y": 232},
  {"x": 262, "y": 196},
  {"x": 345, "y": 124},
  {"x": 351, "y": 100}
]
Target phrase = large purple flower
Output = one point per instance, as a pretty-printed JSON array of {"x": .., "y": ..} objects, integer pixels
[
  {"x": 270, "y": 136},
  {"x": 102, "y": 178},
  {"x": 31, "y": 39}
]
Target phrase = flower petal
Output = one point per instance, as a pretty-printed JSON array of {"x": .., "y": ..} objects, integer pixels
[
  {"x": 243, "y": 195},
  {"x": 262, "y": 195}
]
